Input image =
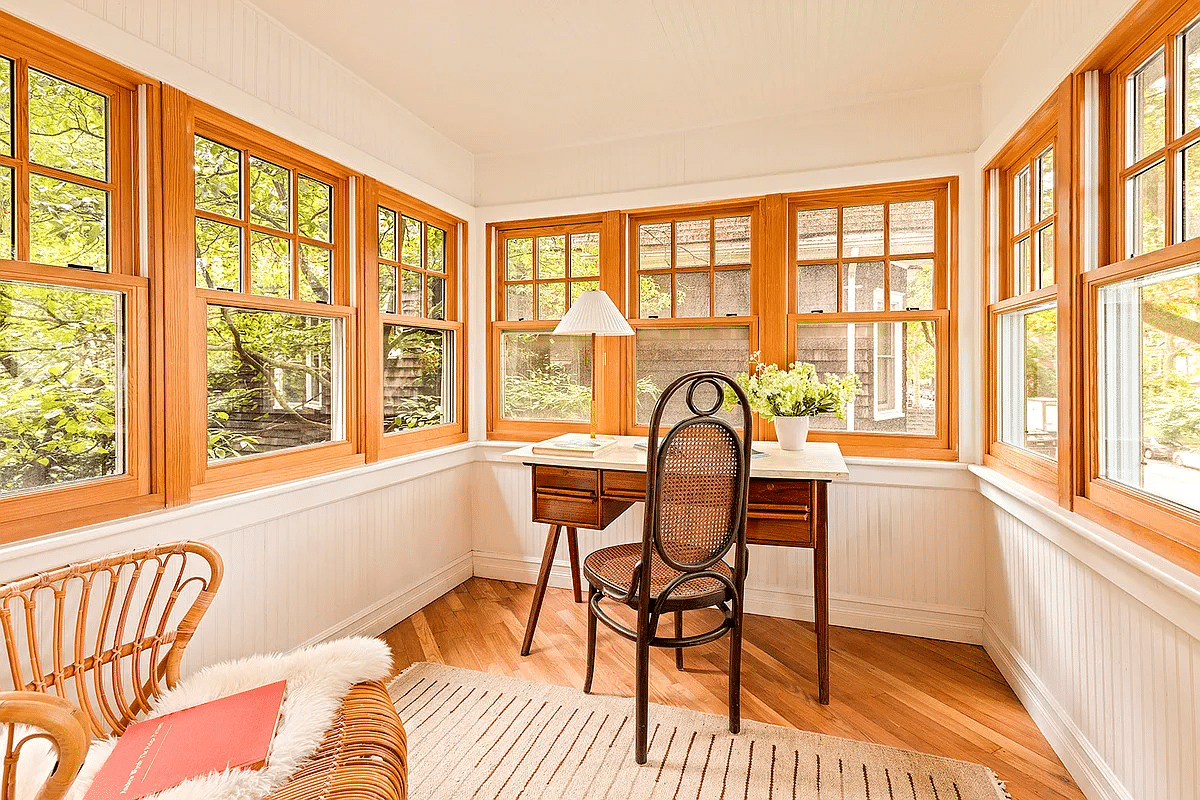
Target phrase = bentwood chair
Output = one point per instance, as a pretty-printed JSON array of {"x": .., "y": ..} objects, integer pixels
[
  {"x": 90, "y": 646},
  {"x": 697, "y": 481}
]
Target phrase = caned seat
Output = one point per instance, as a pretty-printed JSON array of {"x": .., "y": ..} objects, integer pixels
[{"x": 612, "y": 568}]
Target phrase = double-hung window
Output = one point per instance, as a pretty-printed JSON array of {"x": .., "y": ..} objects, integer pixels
[
  {"x": 74, "y": 293},
  {"x": 871, "y": 277}
]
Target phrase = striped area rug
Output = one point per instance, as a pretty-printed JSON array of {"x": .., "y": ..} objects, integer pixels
[{"x": 477, "y": 736}]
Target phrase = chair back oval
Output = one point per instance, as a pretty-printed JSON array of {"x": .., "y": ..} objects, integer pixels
[
  {"x": 698, "y": 476},
  {"x": 107, "y": 634}
]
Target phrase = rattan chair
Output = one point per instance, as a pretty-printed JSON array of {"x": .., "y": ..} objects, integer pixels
[
  {"x": 90, "y": 645},
  {"x": 697, "y": 482}
]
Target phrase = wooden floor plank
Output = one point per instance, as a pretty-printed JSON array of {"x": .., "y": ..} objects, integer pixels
[{"x": 936, "y": 697}]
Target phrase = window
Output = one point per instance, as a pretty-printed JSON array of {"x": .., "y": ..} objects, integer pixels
[
  {"x": 541, "y": 383},
  {"x": 871, "y": 277},
  {"x": 271, "y": 288},
  {"x": 417, "y": 400},
  {"x": 74, "y": 299},
  {"x": 690, "y": 285}
]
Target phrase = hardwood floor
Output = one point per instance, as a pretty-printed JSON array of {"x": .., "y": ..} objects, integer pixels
[{"x": 936, "y": 697}]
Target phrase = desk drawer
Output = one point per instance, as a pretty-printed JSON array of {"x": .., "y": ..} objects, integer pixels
[
  {"x": 780, "y": 513},
  {"x": 624, "y": 485},
  {"x": 563, "y": 508},
  {"x": 570, "y": 478},
  {"x": 769, "y": 492}
]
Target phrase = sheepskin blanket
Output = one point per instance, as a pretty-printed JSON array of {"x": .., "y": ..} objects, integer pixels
[{"x": 318, "y": 679}]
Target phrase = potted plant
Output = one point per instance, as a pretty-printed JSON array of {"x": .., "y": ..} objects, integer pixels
[{"x": 791, "y": 397}]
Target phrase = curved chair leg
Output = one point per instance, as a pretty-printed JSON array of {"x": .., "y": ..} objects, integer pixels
[
  {"x": 591, "y": 640},
  {"x": 679, "y": 635},
  {"x": 642, "y": 696},
  {"x": 735, "y": 675}
]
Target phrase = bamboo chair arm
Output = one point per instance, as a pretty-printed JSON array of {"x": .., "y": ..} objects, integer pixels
[{"x": 62, "y": 722}]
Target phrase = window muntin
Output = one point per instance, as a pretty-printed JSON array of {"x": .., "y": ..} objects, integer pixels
[
  {"x": 542, "y": 272},
  {"x": 412, "y": 266},
  {"x": 693, "y": 267},
  {"x": 662, "y": 354},
  {"x": 1031, "y": 238},
  {"x": 545, "y": 378}
]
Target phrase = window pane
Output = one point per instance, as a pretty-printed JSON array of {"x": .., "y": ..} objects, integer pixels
[
  {"x": 417, "y": 378},
  {"x": 1191, "y": 78},
  {"x": 7, "y": 241},
  {"x": 733, "y": 292},
  {"x": 552, "y": 257},
  {"x": 1022, "y": 265},
  {"x": 552, "y": 300},
  {"x": 316, "y": 266},
  {"x": 6, "y": 82},
  {"x": 218, "y": 255},
  {"x": 410, "y": 247},
  {"x": 68, "y": 223},
  {"x": 654, "y": 296},
  {"x": 518, "y": 260},
  {"x": 1148, "y": 210},
  {"x": 912, "y": 284},
  {"x": 1149, "y": 354},
  {"x": 1191, "y": 192},
  {"x": 1027, "y": 351},
  {"x": 545, "y": 377},
  {"x": 410, "y": 293},
  {"x": 218, "y": 178},
  {"x": 1021, "y": 201},
  {"x": 270, "y": 194},
  {"x": 68, "y": 126},
  {"x": 436, "y": 246},
  {"x": 387, "y": 233},
  {"x": 864, "y": 287},
  {"x": 1045, "y": 250},
  {"x": 733, "y": 240},
  {"x": 270, "y": 265},
  {"x": 1147, "y": 108},
  {"x": 654, "y": 246},
  {"x": 518, "y": 301},
  {"x": 663, "y": 354},
  {"x": 316, "y": 209},
  {"x": 897, "y": 364},
  {"x": 816, "y": 234},
  {"x": 1045, "y": 182},
  {"x": 910, "y": 227},
  {"x": 692, "y": 294},
  {"x": 435, "y": 302},
  {"x": 579, "y": 287},
  {"x": 816, "y": 288},
  {"x": 692, "y": 243},
  {"x": 273, "y": 381},
  {"x": 862, "y": 231},
  {"x": 62, "y": 385},
  {"x": 387, "y": 288},
  {"x": 585, "y": 255}
]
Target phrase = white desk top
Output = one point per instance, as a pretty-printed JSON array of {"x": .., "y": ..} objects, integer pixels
[{"x": 819, "y": 461}]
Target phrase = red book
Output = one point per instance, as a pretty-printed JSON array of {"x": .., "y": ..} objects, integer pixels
[{"x": 234, "y": 732}]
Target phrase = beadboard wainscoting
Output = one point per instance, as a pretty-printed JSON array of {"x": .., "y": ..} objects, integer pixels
[
  {"x": 905, "y": 550},
  {"x": 1101, "y": 643},
  {"x": 351, "y": 553}
]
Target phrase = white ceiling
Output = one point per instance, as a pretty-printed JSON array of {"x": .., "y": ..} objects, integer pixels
[{"x": 509, "y": 76}]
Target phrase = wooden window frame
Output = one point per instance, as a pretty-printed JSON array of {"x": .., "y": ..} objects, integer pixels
[
  {"x": 192, "y": 476},
  {"x": 132, "y": 256},
  {"x": 378, "y": 444},
  {"x": 611, "y": 352},
  {"x": 1052, "y": 125},
  {"x": 943, "y": 443}
]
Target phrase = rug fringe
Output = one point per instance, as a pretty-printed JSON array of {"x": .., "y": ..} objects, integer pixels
[{"x": 1001, "y": 785}]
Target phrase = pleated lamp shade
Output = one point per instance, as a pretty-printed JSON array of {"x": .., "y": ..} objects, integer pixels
[{"x": 594, "y": 312}]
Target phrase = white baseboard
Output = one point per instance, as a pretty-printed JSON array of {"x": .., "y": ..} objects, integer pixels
[
  {"x": 888, "y": 616},
  {"x": 1096, "y": 779},
  {"x": 380, "y": 616}
]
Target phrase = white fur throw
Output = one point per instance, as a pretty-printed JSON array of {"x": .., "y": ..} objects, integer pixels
[{"x": 318, "y": 679}]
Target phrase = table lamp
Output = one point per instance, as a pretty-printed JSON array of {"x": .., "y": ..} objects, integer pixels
[{"x": 593, "y": 313}]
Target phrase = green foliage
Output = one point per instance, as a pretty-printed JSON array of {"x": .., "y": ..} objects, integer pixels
[
  {"x": 407, "y": 349},
  {"x": 797, "y": 392},
  {"x": 551, "y": 392}
]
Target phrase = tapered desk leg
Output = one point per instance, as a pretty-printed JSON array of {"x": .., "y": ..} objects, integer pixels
[
  {"x": 821, "y": 584},
  {"x": 573, "y": 551},
  {"x": 539, "y": 592}
]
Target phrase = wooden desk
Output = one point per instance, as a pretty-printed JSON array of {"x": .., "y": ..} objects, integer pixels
[{"x": 788, "y": 508}]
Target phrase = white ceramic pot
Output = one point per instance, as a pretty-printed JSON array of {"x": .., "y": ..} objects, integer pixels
[{"x": 792, "y": 432}]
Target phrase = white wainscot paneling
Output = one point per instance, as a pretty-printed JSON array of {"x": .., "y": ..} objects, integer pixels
[
  {"x": 904, "y": 556},
  {"x": 349, "y": 554}
]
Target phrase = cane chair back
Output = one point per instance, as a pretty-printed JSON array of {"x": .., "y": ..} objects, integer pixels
[{"x": 108, "y": 634}]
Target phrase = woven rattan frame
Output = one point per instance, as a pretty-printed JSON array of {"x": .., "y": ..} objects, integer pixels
[{"x": 118, "y": 626}]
